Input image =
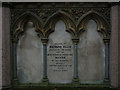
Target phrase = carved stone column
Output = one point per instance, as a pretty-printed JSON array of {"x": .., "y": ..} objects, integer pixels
[
  {"x": 45, "y": 78},
  {"x": 14, "y": 61},
  {"x": 106, "y": 77},
  {"x": 75, "y": 78}
]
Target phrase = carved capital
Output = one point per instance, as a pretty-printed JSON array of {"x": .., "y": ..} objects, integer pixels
[
  {"x": 106, "y": 41},
  {"x": 75, "y": 41},
  {"x": 44, "y": 41}
]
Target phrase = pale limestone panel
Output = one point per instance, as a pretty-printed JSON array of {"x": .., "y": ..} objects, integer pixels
[
  {"x": 30, "y": 58},
  {"x": 60, "y": 55},
  {"x": 91, "y": 55}
]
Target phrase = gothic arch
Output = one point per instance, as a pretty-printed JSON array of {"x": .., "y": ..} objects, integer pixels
[
  {"x": 60, "y": 15},
  {"x": 19, "y": 24},
  {"x": 103, "y": 26}
]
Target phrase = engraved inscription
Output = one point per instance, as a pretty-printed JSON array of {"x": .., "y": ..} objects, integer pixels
[{"x": 61, "y": 55}]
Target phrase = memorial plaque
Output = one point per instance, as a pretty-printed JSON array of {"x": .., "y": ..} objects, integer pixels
[
  {"x": 91, "y": 54},
  {"x": 30, "y": 58},
  {"x": 60, "y": 55}
]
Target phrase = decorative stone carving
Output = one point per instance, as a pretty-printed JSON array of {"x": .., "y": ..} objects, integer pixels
[{"x": 74, "y": 17}]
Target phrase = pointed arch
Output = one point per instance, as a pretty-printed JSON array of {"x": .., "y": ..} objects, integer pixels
[
  {"x": 103, "y": 26},
  {"x": 60, "y": 15},
  {"x": 19, "y": 24}
]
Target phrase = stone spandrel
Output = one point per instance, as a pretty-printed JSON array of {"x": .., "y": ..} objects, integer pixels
[
  {"x": 30, "y": 58},
  {"x": 60, "y": 55},
  {"x": 91, "y": 55}
]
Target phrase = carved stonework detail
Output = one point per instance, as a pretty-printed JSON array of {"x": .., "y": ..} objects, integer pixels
[
  {"x": 75, "y": 41},
  {"x": 45, "y": 15},
  {"x": 44, "y": 41},
  {"x": 106, "y": 41},
  {"x": 75, "y": 13},
  {"x": 71, "y": 14}
]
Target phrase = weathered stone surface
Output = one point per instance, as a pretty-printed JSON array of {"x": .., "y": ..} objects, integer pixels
[
  {"x": 91, "y": 55},
  {"x": 114, "y": 54},
  {"x": 119, "y": 44},
  {"x": 0, "y": 45},
  {"x": 30, "y": 58},
  {"x": 61, "y": 38},
  {"x": 6, "y": 76}
]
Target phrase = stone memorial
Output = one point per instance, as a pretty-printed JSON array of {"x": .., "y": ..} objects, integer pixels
[
  {"x": 59, "y": 46},
  {"x": 60, "y": 55}
]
